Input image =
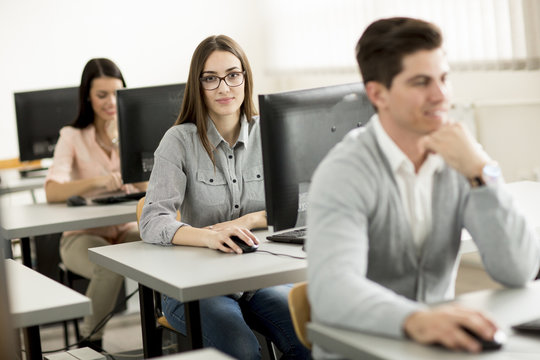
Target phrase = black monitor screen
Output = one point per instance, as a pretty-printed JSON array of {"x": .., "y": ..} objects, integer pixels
[
  {"x": 40, "y": 116},
  {"x": 298, "y": 128},
  {"x": 144, "y": 115}
]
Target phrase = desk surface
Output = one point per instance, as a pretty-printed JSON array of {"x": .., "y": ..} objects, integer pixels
[
  {"x": 191, "y": 273},
  {"x": 202, "y": 354},
  {"x": 11, "y": 181},
  {"x": 35, "y": 299},
  {"x": 42, "y": 219},
  {"x": 507, "y": 306}
]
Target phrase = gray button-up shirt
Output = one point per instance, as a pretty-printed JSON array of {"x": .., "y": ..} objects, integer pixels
[{"x": 184, "y": 178}]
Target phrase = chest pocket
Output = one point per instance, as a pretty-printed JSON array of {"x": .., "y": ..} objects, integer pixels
[
  {"x": 212, "y": 187},
  {"x": 253, "y": 183}
]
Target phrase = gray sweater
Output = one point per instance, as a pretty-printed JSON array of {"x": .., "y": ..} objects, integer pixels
[{"x": 364, "y": 272}]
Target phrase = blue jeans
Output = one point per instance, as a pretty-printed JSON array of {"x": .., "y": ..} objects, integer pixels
[{"x": 227, "y": 323}]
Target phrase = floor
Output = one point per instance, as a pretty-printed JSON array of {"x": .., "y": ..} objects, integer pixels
[{"x": 123, "y": 339}]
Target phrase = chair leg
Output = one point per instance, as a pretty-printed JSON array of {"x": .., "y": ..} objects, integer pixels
[
  {"x": 66, "y": 336},
  {"x": 271, "y": 350},
  {"x": 67, "y": 278},
  {"x": 76, "y": 327},
  {"x": 62, "y": 277}
]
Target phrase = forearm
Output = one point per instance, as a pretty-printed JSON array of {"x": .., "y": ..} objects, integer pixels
[
  {"x": 256, "y": 220},
  {"x": 141, "y": 186},
  {"x": 60, "y": 192},
  {"x": 191, "y": 236},
  {"x": 509, "y": 246}
]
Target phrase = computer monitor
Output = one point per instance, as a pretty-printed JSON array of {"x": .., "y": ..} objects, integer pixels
[
  {"x": 298, "y": 128},
  {"x": 40, "y": 116},
  {"x": 144, "y": 115}
]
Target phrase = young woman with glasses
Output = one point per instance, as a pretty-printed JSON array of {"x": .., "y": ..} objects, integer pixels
[{"x": 209, "y": 167}]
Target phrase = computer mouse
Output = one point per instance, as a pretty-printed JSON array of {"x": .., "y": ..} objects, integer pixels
[
  {"x": 245, "y": 247},
  {"x": 498, "y": 340},
  {"x": 76, "y": 200}
]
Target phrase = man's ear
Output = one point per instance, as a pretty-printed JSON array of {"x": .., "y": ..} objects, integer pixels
[{"x": 377, "y": 93}]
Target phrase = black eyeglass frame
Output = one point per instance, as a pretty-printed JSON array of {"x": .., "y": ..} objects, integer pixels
[{"x": 224, "y": 78}]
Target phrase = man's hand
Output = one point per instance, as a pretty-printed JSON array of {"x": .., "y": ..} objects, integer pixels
[
  {"x": 444, "y": 325},
  {"x": 458, "y": 148}
]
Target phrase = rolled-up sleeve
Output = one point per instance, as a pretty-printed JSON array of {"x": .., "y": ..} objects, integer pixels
[{"x": 64, "y": 154}]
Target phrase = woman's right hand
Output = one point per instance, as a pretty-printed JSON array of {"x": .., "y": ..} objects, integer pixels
[
  {"x": 110, "y": 182},
  {"x": 219, "y": 238}
]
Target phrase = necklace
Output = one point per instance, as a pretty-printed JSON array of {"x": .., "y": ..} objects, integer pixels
[{"x": 105, "y": 147}]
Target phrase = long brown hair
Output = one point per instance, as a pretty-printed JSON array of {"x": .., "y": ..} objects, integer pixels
[
  {"x": 193, "y": 108},
  {"x": 94, "y": 68}
]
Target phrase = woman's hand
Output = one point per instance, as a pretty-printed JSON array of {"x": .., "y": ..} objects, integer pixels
[
  {"x": 110, "y": 182},
  {"x": 220, "y": 237}
]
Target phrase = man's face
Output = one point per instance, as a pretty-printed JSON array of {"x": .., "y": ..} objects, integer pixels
[{"x": 417, "y": 102}]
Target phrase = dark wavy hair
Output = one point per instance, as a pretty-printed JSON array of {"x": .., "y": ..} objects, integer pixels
[
  {"x": 385, "y": 43},
  {"x": 193, "y": 108},
  {"x": 94, "y": 68}
]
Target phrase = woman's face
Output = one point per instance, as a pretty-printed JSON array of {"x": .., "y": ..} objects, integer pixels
[
  {"x": 103, "y": 98},
  {"x": 224, "y": 101}
]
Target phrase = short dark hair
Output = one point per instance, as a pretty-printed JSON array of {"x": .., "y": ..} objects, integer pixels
[
  {"x": 385, "y": 42},
  {"x": 94, "y": 68}
]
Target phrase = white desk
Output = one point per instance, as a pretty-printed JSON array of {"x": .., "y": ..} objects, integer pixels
[
  {"x": 507, "y": 306},
  {"x": 23, "y": 221},
  {"x": 191, "y": 273},
  {"x": 35, "y": 300},
  {"x": 201, "y": 354},
  {"x": 11, "y": 181}
]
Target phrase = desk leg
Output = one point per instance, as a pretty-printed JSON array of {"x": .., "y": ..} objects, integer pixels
[
  {"x": 32, "y": 343},
  {"x": 7, "y": 252},
  {"x": 193, "y": 324},
  {"x": 26, "y": 252},
  {"x": 150, "y": 333}
]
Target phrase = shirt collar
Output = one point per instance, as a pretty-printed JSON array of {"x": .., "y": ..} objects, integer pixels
[
  {"x": 215, "y": 137},
  {"x": 396, "y": 157}
]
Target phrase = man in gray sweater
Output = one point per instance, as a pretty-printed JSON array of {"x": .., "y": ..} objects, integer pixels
[{"x": 388, "y": 204}]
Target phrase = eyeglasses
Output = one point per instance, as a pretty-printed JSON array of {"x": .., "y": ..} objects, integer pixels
[{"x": 232, "y": 79}]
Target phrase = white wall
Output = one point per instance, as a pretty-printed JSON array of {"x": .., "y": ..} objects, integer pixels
[{"x": 45, "y": 44}]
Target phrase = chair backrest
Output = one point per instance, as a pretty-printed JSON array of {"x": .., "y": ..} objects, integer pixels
[
  {"x": 300, "y": 311},
  {"x": 140, "y": 206}
]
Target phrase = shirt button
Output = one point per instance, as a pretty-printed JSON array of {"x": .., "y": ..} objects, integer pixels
[
  {"x": 211, "y": 180},
  {"x": 234, "y": 181},
  {"x": 258, "y": 176},
  {"x": 230, "y": 156},
  {"x": 236, "y": 206}
]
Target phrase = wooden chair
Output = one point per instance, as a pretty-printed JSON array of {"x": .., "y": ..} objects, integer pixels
[{"x": 300, "y": 311}]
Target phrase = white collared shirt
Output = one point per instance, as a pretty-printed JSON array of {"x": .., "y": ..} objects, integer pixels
[{"x": 415, "y": 189}]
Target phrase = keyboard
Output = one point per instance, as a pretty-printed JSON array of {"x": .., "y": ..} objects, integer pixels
[
  {"x": 293, "y": 236},
  {"x": 113, "y": 199},
  {"x": 532, "y": 326},
  {"x": 33, "y": 172}
]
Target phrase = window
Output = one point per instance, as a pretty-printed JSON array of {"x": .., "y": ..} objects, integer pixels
[{"x": 315, "y": 35}]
